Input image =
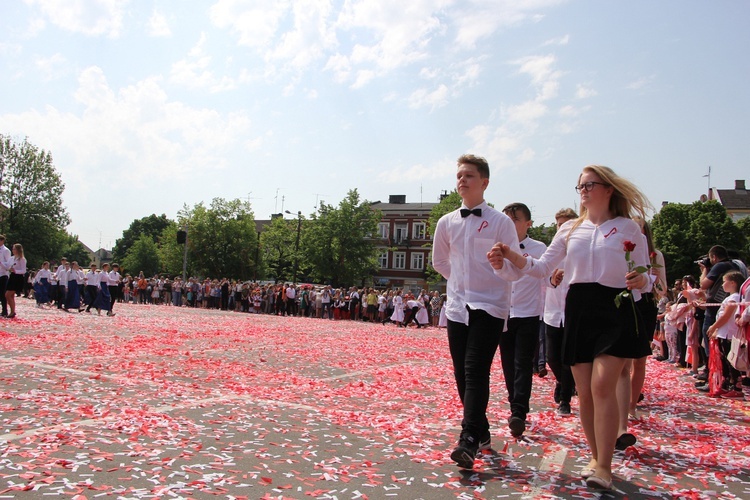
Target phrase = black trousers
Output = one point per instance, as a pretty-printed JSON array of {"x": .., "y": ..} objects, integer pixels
[
  {"x": 565, "y": 381},
  {"x": 411, "y": 315},
  {"x": 91, "y": 292},
  {"x": 517, "y": 349},
  {"x": 114, "y": 294},
  {"x": 3, "y": 300},
  {"x": 472, "y": 349}
]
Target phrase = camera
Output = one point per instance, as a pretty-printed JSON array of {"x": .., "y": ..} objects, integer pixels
[{"x": 704, "y": 260}]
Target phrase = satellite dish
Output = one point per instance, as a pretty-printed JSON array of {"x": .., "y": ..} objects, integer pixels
[{"x": 704, "y": 198}]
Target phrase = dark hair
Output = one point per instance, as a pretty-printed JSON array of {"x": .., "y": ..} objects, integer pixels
[
  {"x": 719, "y": 252},
  {"x": 517, "y": 207},
  {"x": 482, "y": 166},
  {"x": 689, "y": 279}
]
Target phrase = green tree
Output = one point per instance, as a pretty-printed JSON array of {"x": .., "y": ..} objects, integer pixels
[
  {"x": 685, "y": 232},
  {"x": 744, "y": 227},
  {"x": 277, "y": 246},
  {"x": 73, "y": 250},
  {"x": 222, "y": 239},
  {"x": 151, "y": 226},
  {"x": 543, "y": 233},
  {"x": 143, "y": 256},
  {"x": 31, "y": 191},
  {"x": 171, "y": 253},
  {"x": 337, "y": 245}
]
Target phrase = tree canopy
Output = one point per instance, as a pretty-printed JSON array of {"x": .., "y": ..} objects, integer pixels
[
  {"x": 337, "y": 242},
  {"x": 31, "y": 191},
  {"x": 151, "y": 226},
  {"x": 683, "y": 233}
]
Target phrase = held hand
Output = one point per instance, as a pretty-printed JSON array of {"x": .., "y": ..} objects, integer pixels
[
  {"x": 635, "y": 280},
  {"x": 496, "y": 256},
  {"x": 557, "y": 277}
]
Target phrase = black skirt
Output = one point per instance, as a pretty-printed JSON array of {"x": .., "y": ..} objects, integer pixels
[
  {"x": 15, "y": 283},
  {"x": 594, "y": 325}
]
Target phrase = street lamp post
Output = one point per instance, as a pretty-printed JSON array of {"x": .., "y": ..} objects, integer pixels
[{"x": 296, "y": 243}]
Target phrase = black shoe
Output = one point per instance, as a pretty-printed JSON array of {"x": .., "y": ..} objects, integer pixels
[
  {"x": 641, "y": 397},
  {"x": 542, "y": 372},
  {"x": 703, "y": 388},
  {"x": 625, "y": 441},
  {"x": 465, "y": 452},
  {"x": 485, "y": 442},
  {"x": 557, "y": 393},
  {"x": 517, "y": 425},
  {"x": 563, "y": 409},
  {"x": 702, "y": 376}
]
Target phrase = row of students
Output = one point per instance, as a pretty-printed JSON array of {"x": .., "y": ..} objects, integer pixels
[{"x": 477, "y": 249}]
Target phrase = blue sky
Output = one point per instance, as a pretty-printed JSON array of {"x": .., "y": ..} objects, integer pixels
[{"x": 148, "y": 105}]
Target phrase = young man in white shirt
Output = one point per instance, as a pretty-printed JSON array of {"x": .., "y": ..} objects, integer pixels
[
  {"x": 519, "y": 342},
  {"x": 478, "y": 297}
]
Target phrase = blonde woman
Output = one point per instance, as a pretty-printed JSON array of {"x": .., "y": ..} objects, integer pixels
[
  {"x": 16, "y": 265},
  {"x": 599, "y": 337}
]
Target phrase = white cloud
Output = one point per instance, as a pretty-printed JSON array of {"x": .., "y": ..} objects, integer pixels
[
  {"x": 194, "y": 71},
  {"x": 158, "y": 25},
  {"x": 52, "y": 67},
  {"x": 422, "y": 98},
  {"x": 253, "y": 22},
  {"x": 584, "y": 92},
  {"x": 419, "y": 172},
  {"x": 642, "y": 82},
  {"x": 563, "y": 40},
  {"x": 482, "y": 18},
  {"x": 135, "y": 129},
  {"x": 89, "y": 17}
]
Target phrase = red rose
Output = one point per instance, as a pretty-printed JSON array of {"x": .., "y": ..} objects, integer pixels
[
  {"x": 628, "y": 246},
  {"x": 652, "y": 256}
]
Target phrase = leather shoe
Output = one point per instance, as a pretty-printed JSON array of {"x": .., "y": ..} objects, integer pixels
[{"x": 625, "y": 441}]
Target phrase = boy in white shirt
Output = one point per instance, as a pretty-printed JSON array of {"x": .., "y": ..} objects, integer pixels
[{"x": 478, "y": 297}]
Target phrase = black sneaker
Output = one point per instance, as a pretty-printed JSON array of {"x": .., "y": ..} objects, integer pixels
[
  {"x": 485, "y": 442},
  {"x": 703, "y": 388},
  {"x": 464, "y": 453},
  {"x": 563, "y": 409},
  {"x": 702, "y": 376},
  {"x": 517, "y": 425}
]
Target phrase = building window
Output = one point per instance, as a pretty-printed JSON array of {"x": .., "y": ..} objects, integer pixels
[
  {"x": 399, "y": 260},
  {"x": 419, "y": 230},
  {"x": 383, "y": 230},
  {"x": 400, "y": 233},
  {"x": 383, "y": 259},
  {"x": 417, "y": 260}
]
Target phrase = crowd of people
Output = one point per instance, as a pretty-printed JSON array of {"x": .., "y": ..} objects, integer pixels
[
  {"x": 106, "y": 285},
  {"x": 593, "y": 306}
]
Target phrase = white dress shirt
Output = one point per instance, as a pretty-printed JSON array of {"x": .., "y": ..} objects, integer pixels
[
  {"x": 527, "y": 294},
  {"x": 42, "y": 273},
  {"x": 459, "y": 253},
  {"x": 554, "y": 301},
  {"x": 5, "y": 258},
  {"x": 93, "y": 278},
  {"x": 595, "y": 254}
]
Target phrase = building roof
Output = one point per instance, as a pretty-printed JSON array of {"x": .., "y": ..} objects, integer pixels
[
  {"x": 734, "y": 199},
  {"x": 403, "y": 207}
]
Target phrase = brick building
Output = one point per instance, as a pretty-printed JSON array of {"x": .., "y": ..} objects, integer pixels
[{"x": 404, "y": 243}]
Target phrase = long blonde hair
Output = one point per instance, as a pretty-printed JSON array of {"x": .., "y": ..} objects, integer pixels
[{"x": 626, "y": 201}]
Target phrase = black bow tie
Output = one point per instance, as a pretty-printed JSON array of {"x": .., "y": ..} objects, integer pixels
[{"x": 465, "y": 212}]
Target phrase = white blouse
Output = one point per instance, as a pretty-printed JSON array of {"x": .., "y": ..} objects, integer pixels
[{"x": 595, "y": 254}]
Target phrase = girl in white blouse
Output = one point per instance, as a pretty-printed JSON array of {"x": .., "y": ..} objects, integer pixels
[
  {"x": 599, "y": 336},
  {"x": 16, "y": 266}
]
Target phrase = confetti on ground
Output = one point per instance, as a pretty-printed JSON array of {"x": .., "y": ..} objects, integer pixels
[{"x": 187, "y": 403}]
